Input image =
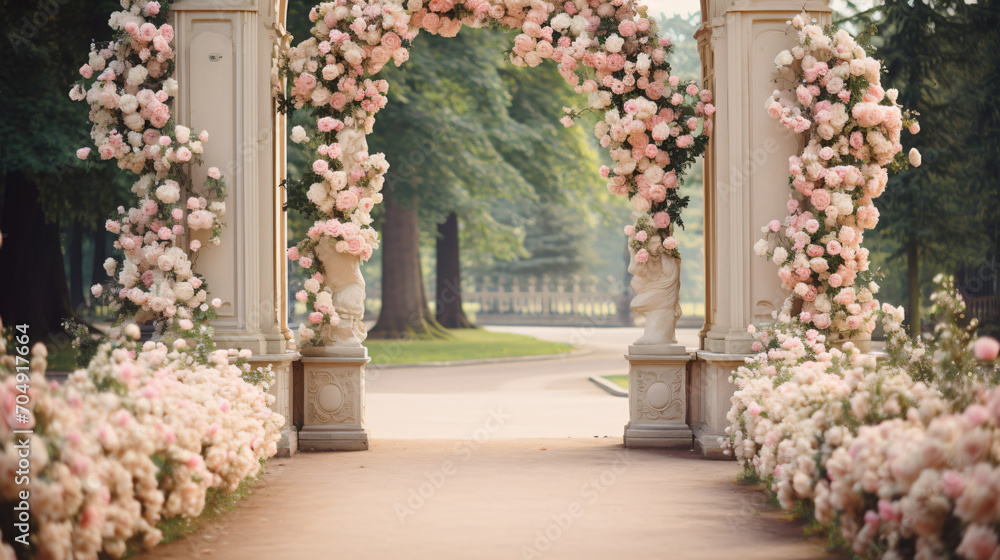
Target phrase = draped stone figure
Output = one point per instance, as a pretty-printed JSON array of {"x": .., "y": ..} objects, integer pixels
[
  {"x": 342, "y": 274},
  {"x": 657, "y": 286}
]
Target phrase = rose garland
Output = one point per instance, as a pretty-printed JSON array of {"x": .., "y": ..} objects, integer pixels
[
  {"x": 129, "y": 87},
  {"x": 853, "y": 128},
  {"x": 654, "y": 125}
]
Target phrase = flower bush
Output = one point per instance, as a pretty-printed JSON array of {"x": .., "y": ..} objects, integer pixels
[
  {"x": 129, "y": 87},
  {"x": 853, "y": 130},
  {"x": 897, "y": 457},
  {"x": 138, "y": 436},
  {"x": 653, "y": 124}
]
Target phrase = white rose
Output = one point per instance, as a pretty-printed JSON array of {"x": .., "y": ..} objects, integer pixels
[
  {"x": 169, "y": 192},
  {"x": 760, "y": 247},
  {"x": 299, "y": 135}
]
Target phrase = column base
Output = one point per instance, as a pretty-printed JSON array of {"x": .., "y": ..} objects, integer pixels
[
  {"x": 288, "y": 445},
  {"x": 675, "y": 435},
  {"x": 320, "y": 438},
  {"x": 707, "y": 444}
]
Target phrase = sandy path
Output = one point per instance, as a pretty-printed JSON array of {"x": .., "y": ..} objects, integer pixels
[{"x": 570, "y": 498}]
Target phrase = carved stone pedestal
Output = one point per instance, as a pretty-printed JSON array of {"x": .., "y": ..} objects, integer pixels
[
  {"x": 334, "y": 399},
  {"x": 656, "y": 395}
]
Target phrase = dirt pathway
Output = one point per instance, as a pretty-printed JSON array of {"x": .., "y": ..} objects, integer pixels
[{"x": 510, "y": 499}]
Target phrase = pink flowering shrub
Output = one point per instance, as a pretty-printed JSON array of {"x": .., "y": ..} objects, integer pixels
[
  {"x": 137, "y": 437},
  {"x": 853, "y": 134},
  {"x": 896, "y": 455},
  {"x": 653, "y": 124}
]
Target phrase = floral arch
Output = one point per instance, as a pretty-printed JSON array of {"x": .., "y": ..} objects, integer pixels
[{"x": 653, "y": 125}]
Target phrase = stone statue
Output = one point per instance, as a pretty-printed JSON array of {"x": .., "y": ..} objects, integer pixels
[
  {"x": 342, "y": 274},
  {"x": 657, "y": 287}
]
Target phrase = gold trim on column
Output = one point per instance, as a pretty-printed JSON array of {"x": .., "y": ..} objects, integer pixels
[
  {"x": 282, "y": 39},
  {"x": 704, "y": 38}
]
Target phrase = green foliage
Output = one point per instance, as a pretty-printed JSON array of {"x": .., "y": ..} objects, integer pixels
[{"x": 944, "y": 59}]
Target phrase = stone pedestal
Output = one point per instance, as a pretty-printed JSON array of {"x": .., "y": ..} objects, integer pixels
[
  {"x": 711, "y": 398},
  {"x": 334, "y": 399},
  {"x": 657, "y": 397},
  {"x": 281, "y": 365}
]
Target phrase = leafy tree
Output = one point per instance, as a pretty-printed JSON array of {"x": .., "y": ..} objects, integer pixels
[
  {"x": 42, "y": 183},
  {"x": 925, "y": 210}
]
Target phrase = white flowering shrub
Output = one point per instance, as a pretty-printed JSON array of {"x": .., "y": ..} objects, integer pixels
[
  {"x": 896, "y": 455},
  {"x": 145, "y": 429}
]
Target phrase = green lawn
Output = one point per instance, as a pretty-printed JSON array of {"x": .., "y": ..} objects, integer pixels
[
  {"x": 620, "y": 380},
  {"x": 464, "y": 344}
]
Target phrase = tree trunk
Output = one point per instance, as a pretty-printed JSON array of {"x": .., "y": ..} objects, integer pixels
[
  {"x": 405, "y": 313},
  {"x": 913, "y": 275},
  {"x": 76, "y": 266},
  {"x": 449, "y": 277},
  {"x": 98, "y": 275},
  {"x": 33, "y": 288}
]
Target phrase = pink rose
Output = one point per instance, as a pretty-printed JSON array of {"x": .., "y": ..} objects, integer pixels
[
  {"x": 302, "y": 295},
  {"x": 346, "y": 200},
  {"x": 305, "y": 262},
  {"x": 195, "y": 245},
  {"x": 835, "y": 280},
  {"x": 986, "y": 348},
  {"x": 641, "y": 256},
  {"x": 822, "y": 321},
  {"x": 316, "y": 317},
  {"x": 293, "y": 254},
  {"x": 82, "y": 153},
  {"x": 661, "y": 220},
  {"x": 670, "y": 243},
  {"x": 214, "y": 173},
  {"x": 641, "y": 236},
  {"x": 320, "y": 166},
  {"x": 774, "y": 225},
  {"x": 820, "y": 199},
  {"x": 630, "y": 230}
]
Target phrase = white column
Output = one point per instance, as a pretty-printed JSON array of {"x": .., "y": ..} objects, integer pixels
[
  {"x": 746, "y": 186},
  {"x": 223, "y": 68}
]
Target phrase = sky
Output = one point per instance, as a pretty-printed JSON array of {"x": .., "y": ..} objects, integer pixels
[
  {"x": 671, "y": 7},
  {"x": 685, "y": 7}
]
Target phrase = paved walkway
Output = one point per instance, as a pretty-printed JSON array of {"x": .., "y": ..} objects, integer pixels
[
  {"x": 564, "y": 489},
  {"x": 552, "y": 398},
  {"x": 559, "y": 499}
]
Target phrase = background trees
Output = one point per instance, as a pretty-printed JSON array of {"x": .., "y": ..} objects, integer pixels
[
  {"x": 44, "y": 188},
  {"x": 942, "y": 216}
]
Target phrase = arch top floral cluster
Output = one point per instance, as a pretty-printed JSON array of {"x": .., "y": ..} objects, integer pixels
[
  {"x": 854, "y": 130},
  {"x": 653, "y": 124}
]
